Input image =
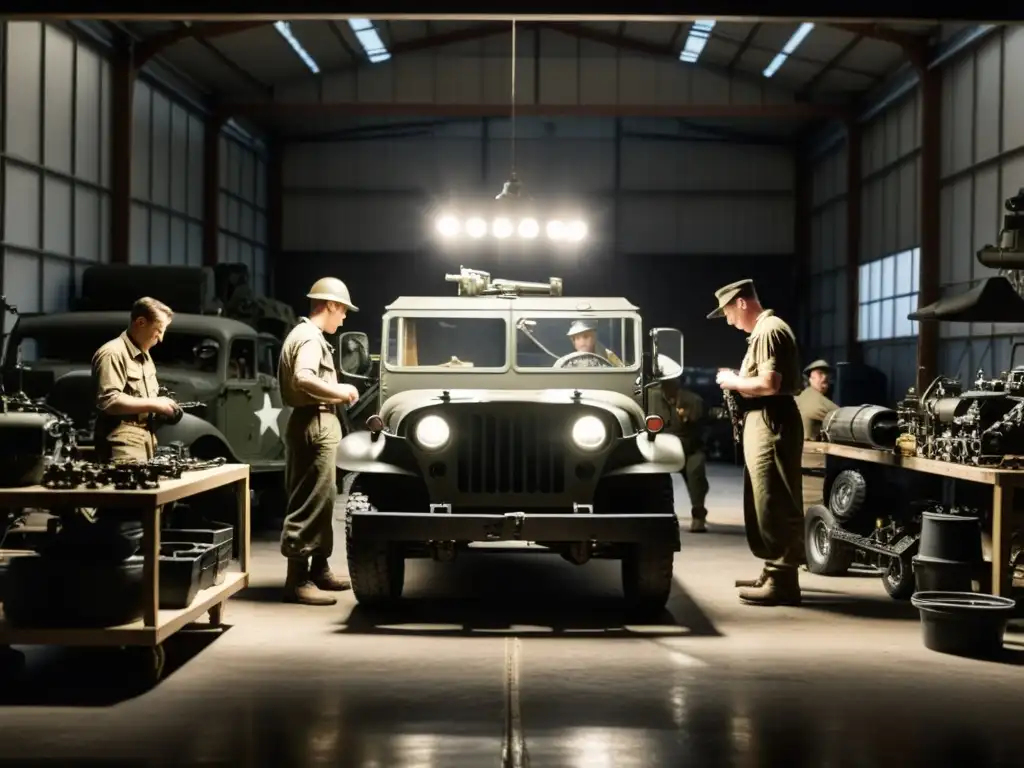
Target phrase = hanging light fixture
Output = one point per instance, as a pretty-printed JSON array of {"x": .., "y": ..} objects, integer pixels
[{"x": 514, "y": 216}]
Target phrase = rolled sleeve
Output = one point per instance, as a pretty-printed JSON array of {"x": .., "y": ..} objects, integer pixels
[
  {"x": 307, "y": 358},
  {"x": 769, "y": 349},
  {"x": 110, "y": 376}
]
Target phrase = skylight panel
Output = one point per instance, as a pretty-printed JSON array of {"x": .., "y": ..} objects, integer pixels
[
  {"x": 791, "y": 45},
  {"x": 369, "y": 38},
  {"x": 285, "y": 30},
  {"x": 700, "y": 31}
]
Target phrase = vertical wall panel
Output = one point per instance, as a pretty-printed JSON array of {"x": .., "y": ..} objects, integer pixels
[
  {"x": 242, "y": 202},
  {"x": 56, "y": 206}
]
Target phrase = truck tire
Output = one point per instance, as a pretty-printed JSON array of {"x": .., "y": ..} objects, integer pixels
[
  {"x": 376, "y": 568},
  {"x": 825, "y": 556},
  {"x": 647, "y": 568}
]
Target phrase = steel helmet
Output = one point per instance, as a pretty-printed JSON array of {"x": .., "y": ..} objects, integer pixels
[
  {"x": 332, "y": 289},
  {"x": 581, "y": 326}
]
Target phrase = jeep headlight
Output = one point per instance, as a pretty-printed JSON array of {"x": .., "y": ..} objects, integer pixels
[
  {"x": 589, "y": 433},
  {"x": 432, "y": 432}
]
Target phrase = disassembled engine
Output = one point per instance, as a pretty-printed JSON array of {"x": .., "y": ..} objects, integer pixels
[
  {"x": 980, "y": 426},
  {"x": 123, "y": 476}
]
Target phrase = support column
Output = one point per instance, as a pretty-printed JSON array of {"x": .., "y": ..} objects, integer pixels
[
  {"x": 929, "y": 225},
  {"x": 211, "y": 190},
  {"x": 122, "y": 121},
  {"x": 854, "y": 221}
]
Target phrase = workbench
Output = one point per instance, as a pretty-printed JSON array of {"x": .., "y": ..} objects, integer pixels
[
  {"x": 156, "y": 625},
  {"x": 1004, "y": 482}
]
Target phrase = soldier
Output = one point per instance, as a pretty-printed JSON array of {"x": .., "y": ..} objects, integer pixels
[
  {"x": 309, "y": 385},
  {"x": 813, "y": 402},
  {"x": 584, "y": 339},
  {"x": 682, "y": 411},
  {"x": 127, "y": 392},
  {"x": 767, "y": 382}
]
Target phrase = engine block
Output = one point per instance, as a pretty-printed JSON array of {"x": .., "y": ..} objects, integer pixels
[{"x": 982, "y": 426}]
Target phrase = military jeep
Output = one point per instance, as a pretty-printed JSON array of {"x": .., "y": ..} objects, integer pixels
[
  {"x": 492, "y": 432},
  {"x": 225, "y": 364}
]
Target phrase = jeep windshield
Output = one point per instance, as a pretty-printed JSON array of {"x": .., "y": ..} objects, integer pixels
[
  {"x": 570, "y": 342},
  {"x": 77, "y": 346},
  {"x": 447, "y": 342}
]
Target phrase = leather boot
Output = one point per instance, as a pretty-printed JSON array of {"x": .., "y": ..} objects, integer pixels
[
  {"x": 753, "y": 582},
  {"x": 321, "y": 575},
  {"x": 298, "y": 588},
  {"x": 779, "y": 588},
  {"x": 698, "y": 520}
]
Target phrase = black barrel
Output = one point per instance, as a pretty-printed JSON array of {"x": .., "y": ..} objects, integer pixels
[
  {"x": 950, "y": 556},
  {"x": 869, "y": 426}
]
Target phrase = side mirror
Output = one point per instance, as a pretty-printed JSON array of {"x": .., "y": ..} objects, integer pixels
[
  {"x": 354, "y": 355},
  {"x": 207, "y": 349},
  {"x": 664, "y": 366}
]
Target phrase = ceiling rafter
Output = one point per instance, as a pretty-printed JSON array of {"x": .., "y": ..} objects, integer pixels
[
  {"x": 830, "y": 65},
  {"x": 743, "y": 46},
  {"x": 915, "y": 47},
  {"x": 150, "y": 47}
]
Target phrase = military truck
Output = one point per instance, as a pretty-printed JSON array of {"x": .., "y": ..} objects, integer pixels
[
  {"x": 223, "y": 363},
  {"x": 491, "y": 430}
]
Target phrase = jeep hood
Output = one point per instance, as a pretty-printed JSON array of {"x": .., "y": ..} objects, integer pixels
[{"x": 625, "y": 409}]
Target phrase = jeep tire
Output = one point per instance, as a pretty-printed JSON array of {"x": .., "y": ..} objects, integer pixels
[
  {"x": 647, "y": 568},
  {"x": 376, "y": 568}
]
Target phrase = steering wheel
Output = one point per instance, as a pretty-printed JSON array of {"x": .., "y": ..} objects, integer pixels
[{"x": 582, "y": 360}]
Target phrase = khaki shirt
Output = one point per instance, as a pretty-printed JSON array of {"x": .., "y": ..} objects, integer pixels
[
  {"x": 120, "y": 367},
  {"x": 814, "y": 407},
  {"x": 304, "y": 349},
  {"x": 772, "y": 347}
]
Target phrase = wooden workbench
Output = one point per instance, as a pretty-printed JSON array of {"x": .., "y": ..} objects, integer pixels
[
  {"x": 156, "y": 625},
  {"x": 1003, "y": 481}
]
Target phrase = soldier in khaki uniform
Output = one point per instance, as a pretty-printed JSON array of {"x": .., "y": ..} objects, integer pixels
[
  {"x": 124, "y": 378},
  {"x": 813, "y": 402},
  {"x": 309, "y": 385},
  {"x": 767, "y": 382},
  {"x": 682, "y": 411},
  {"x": 584, "y": 339}
]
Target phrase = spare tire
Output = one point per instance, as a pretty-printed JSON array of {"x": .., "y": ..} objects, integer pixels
[{"x": 847, "y": 495}]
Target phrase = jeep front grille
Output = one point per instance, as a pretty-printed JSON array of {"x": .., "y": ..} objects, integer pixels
[{"x": 505, "y": 454}]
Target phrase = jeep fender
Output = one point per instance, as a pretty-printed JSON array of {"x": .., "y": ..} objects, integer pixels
[
  {"x": 189, "y": 430},
  {"x": 387, "y": 455},
  {"x": 639, "y": 455}
]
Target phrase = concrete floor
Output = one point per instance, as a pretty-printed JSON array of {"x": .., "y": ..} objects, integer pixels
[{"x": 528, "y": 656}]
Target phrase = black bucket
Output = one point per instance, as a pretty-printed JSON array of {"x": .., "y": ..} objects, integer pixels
[
  {"x": 963, "y": 623},
  {"x": 934, "y": 575},
  {"x": 952, "y": 538}
]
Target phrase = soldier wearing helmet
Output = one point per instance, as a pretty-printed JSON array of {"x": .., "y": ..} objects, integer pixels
[
  {"x": 584, "y": 339},
  {"x": 309, "y": 385}
]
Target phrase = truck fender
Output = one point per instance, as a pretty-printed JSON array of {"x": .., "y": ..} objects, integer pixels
[
  {"x": 191, "y": 429},
  {"x": 387, "y": 455},
  {"x": 639, "y": 455}
]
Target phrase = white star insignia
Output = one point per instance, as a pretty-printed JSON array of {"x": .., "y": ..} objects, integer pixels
[{"x": 268, "y": 417}]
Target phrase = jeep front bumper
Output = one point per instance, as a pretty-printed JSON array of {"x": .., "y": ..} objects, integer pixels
[{"x": 516, "y": 526}]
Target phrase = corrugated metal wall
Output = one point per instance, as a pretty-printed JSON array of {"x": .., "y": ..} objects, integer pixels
[
  {"x": 56, "y": 166},
  {"x": 982, "y": 165}
]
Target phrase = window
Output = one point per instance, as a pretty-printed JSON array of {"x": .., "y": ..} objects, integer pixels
[
  {"x": 270, "y": 354},
  {"x": 241, "y": 363},
  {"x": 540, "y": 341},
  {"x": 77, "y": 345},
  {"x": 447, "y": 342},
  {"x": 888, "y": 293}
]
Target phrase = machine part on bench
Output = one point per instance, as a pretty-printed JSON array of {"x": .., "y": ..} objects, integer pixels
[
  {"x": 849, "y": 491},
  {"x": 582, "y": 509}
]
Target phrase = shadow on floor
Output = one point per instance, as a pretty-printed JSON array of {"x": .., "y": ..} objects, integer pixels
[
  {"x": 96, "y": 677},
  {"x": 859, "y": 607}
]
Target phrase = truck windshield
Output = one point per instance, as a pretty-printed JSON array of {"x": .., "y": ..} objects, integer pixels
[
  {"x": 447, "y": 342},
  {"x": 77, "y": 346},
  {"x": 541, "y": 342}
]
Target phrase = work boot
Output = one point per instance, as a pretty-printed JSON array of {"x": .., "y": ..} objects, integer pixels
[
  {"x": 698, "y": 520},
  {"x": 753, "y": 582},
  {"x": 321, "y": 575},
  {"x": 779, "y": 588},
  {"x": 298, "y": 588}
]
